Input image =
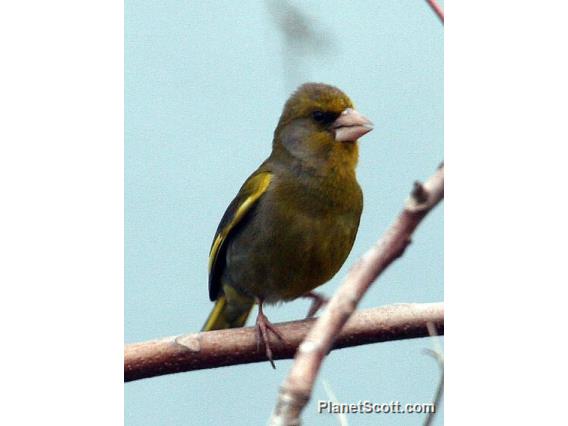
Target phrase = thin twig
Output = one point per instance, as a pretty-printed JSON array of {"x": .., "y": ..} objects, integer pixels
[
  {"x": 438, "y": 355},
  {"x": 437, "y": 352},
  {"x": 302, "y": 39},
  {"x": 297, "y": 388},
  {"x": 437, "y": 9},
  {"x": 341, "y": 417},
  {"x": 238, "y": 346}
]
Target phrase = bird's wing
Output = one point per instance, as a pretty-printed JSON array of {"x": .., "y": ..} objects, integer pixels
[{"x": 251, "y": 191}]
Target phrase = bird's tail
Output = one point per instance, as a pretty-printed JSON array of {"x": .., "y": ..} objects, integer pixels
[{"x": 228, "y": 313}]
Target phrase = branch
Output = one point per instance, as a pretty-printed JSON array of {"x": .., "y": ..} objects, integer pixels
[
  {"x": 437, "y": 9},
  {"x": 439, "y": 357},
  {"x": 297, "y": 388},
  {"x": 238, "y": 346}
]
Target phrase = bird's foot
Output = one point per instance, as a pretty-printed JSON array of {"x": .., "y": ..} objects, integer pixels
[
  {"x": 318, "y": 302},
  {"x": 263, "y": 326}
]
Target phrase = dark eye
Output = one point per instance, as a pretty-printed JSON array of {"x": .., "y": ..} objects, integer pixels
[
  {"x": 324, "y": 117},
  {"x": 318, "y": 116}
]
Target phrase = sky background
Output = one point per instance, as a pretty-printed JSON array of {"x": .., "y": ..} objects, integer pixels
[{"x": 204, "y": 87}]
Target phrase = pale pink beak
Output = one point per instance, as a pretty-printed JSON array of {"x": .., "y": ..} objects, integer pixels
[{"x": 351, "y": 125}]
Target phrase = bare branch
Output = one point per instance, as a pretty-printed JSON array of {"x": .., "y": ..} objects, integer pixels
[
  {"x": 438, "y": 355},
  {"x": 297, "y": 388},
  {"x": 238, "y": 346},
  {"x": 302, "y": 39},
  {"x": 440, "y": 388},
  {"x": 437, "y": 9}
]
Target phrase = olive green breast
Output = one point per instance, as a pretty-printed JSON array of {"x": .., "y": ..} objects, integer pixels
[{"x": 296, "y": 237}]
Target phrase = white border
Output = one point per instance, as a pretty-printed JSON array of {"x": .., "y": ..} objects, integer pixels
[
  {"x": 505, "y": 249},
  {"x": 61, "y": 172}
]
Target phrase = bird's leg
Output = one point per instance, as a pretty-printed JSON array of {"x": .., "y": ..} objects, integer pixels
[
  {"x": 263, "y": 326},
  {"x": 318, "y": 301}
]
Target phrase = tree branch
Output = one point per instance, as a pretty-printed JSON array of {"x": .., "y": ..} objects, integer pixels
[
  {"x": 238, "y": 346},
  {"x": 297, "y": 388},
  {"x": 437, "y": 9},
  {"x": 439, "y": 390}
]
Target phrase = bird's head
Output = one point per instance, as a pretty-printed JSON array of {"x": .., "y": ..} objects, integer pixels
[{"x": 319, "y": 121}]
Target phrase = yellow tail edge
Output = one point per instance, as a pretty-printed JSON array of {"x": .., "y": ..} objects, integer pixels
[{"x": 226, "y": 315}]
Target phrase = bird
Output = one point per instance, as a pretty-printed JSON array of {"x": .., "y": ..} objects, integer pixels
[{"x": 294, "y": 220}]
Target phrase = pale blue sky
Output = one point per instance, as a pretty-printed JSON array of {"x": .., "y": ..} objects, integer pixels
[{"x": 204, "y": 88}]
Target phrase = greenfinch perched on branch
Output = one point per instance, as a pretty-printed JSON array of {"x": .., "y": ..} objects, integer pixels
[{"x": 294, "y": 220}]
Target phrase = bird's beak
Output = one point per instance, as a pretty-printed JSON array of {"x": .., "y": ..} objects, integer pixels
[{"x": 351, "y": 125}]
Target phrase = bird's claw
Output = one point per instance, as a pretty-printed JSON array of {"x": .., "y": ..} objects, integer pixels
[{"x": 263, "y": 327}]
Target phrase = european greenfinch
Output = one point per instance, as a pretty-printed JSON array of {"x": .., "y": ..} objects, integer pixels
[{"x": 293, "y": 222}]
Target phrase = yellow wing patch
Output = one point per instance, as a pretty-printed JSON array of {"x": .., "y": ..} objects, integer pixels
[{"x": 252, "y": 190}]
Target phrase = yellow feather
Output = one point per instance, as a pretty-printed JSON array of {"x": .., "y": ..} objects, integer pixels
[
  {"x": 262, "y": 181},
  {"x": 214, "y": 315}
]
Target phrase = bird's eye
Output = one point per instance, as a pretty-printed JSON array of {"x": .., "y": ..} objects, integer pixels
[
  {"x": 324, "y": 117},
  {"x": 318, "y": 116}
]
